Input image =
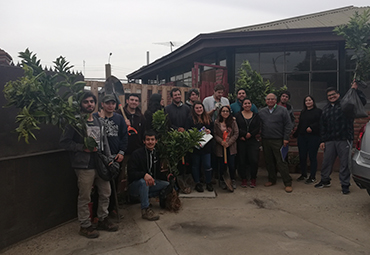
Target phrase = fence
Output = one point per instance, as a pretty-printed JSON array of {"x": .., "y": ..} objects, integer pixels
[{"x": 144, "y": 90}]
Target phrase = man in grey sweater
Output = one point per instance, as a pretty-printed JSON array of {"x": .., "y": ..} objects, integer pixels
[{"x": 276, "y": 127}]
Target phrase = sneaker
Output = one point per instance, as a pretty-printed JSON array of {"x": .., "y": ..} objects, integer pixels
[
  {"x": 253, "y": 183},
  {"x": 310, "y": 180},
  {"x": 345, "y": 190},
  {"x": 244, "y": 183},
  {"x": 223, "y": 185},
  {"x": 233, "y": 183},
  {"x": 209, "y": 186},
  {"x": 301, "y": 178},
  {"x": 107, "y": 225},
  {"x": 321, "y": 185},
  {"x": 199, "y": 187},
  {"x": 89, "y": 232},
  {"x": 149, "y": 214}
]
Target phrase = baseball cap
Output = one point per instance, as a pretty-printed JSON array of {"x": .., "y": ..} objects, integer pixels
[{"x": 108, "y": 98}]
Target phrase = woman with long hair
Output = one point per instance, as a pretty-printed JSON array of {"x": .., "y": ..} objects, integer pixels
[
  {"x": 201, "y": 121},
  {"x": 249, "y": 124},
  {"x": 308, "y": 133},
  {"x": 226, "y": 133},
  {"x": 155, "y": 104}
]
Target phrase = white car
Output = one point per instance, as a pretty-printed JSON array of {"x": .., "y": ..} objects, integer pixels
[{"x": 361, "y": 159}]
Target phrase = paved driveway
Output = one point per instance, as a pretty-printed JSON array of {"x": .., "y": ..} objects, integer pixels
[{"x": 248, "y": 221}]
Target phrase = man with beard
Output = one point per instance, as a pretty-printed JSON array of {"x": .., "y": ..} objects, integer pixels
[
  {"x": 83, "y": 163},
  {"x": 177, "y": 111},
  {"x": 237, "y": 106}
]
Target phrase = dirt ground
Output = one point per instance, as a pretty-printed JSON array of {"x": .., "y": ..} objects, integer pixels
[{"x": 248, "y": 221}]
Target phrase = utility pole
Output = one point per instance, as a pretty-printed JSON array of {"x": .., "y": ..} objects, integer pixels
[{"x": 108, "y": 70}]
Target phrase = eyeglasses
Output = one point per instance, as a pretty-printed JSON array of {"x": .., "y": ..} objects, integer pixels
[
  {"x": 332, "y": 94},
  {"x": 88, "y": 101}
]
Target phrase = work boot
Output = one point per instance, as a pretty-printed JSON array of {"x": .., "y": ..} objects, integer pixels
[
  {"x": 288, "y": 189},
  {"x": 149, "y": 214},
  {"x": 107, "y": 225},
  {"x": 89, "y": 232}
]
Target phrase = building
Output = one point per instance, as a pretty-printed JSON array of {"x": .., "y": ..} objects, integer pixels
[{"x": 301, "y": 52}]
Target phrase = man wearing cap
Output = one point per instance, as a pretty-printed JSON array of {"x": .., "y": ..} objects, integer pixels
[
  {"x": 115, "y": 126},
  {"x": 116, "y": 131}
]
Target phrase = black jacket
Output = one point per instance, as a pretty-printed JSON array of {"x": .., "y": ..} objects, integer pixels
[
  {"x": 309, "y": 118},
  {"x": 139, "y": 165},
  {"x": 253, "y": 128},
  {"x": 177, "y": 114},
  {"x": 137, "y": 120},
  {"x": 334, "y": 124}
]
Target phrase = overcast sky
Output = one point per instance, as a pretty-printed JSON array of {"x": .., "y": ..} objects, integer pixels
[{"x": 86, "y": 31}]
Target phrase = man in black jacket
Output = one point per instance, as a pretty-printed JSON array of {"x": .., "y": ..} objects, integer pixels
[
  {"x": 145, "y": 176},
  {"x": 177, "y": 111},
  {"x": 336, "y": 130},
  {"x": 135, "y": 120}
]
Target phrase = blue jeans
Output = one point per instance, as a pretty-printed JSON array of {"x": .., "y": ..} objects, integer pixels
[
  {"x": 139, "y": 189},
  {"x": 205, "y": 160}
]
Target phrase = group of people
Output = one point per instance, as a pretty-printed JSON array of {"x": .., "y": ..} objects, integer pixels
[{"x": 235, "y": 129}]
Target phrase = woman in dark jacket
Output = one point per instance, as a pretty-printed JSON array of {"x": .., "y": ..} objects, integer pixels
[
  {"x": 308, "y": 133},
  {"x": 248, "y": 146},
  {"x": 201, "y": 120},
  {"x": 155, "y": 104}
]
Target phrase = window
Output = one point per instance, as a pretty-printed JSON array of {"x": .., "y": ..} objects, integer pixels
[
  {"x": 297, "y": 61},
  {"x": 324, "y": 60},
  {"x": 272, "y": 62},
  {"x": 304, "y": 69},
  {"x": 298, "y": 86},
  {"x": 253, "y": 59}
]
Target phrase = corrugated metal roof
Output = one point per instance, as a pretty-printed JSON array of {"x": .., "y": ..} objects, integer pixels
[{"x": 329, "y": 18}]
